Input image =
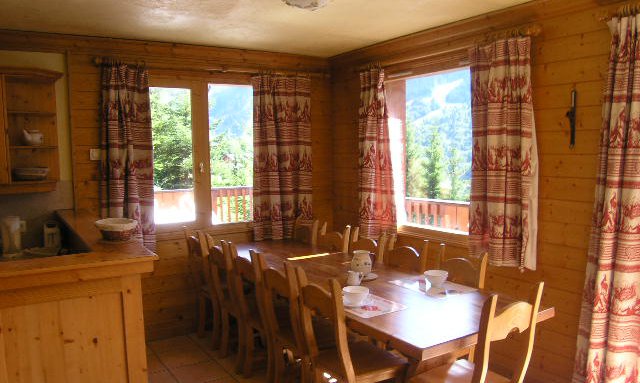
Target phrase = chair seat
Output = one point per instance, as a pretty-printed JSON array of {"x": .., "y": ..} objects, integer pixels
[
  {"x": 369, "y": 362},
  {"x": 459, "y": 372}
]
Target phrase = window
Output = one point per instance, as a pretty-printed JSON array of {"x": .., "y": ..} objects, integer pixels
[
  {"x": 203, "y": 152},
  {"x": 436, "y": 155},
  {"x": 172, "y": 155},
  {"x": 231, "y": 152}
]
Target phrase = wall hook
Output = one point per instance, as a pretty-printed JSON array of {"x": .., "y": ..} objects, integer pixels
[{"x": 571, "y": 115}]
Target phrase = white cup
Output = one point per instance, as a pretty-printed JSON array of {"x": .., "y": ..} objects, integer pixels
[
  {"x": 436, "y": 277},
  {"x": 355, "y": 295},
  {"x": 354, "y": 278}
]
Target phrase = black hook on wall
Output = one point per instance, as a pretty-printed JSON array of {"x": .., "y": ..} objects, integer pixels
[{"x": 571, "y": 115}]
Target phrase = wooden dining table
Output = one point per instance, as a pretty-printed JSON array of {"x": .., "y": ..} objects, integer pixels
[{"x": 428, "y": 329}]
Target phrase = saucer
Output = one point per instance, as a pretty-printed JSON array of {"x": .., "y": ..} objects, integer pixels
[{"x": 370, "y": 277}]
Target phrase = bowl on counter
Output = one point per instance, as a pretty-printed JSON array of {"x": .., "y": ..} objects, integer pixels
[
  {"x": 31, "y": 174},
  {"x": 117, "y": 229}
]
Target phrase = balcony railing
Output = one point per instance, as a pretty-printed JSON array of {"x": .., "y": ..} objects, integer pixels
[
  {"x": 452, "y": 215},
  {"x": 232, "y": 204},
  {"x": 235, "y": 204},
  {"x": 229, "y": 204}
]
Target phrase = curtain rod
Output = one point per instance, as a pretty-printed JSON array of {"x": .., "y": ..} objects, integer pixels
[
  {"x": 532, "y": 30},
  {"x": 628, "y": 9},
  {"x": 222, "y": 69}
]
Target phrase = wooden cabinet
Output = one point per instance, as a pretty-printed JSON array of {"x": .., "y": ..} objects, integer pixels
[
  {"x": 28, "y": 103},
  {"x": 78, "y": 317}
]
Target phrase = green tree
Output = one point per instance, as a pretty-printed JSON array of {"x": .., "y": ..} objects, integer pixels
[
  {"x": 413, "y": 168},
  {"x": 433, "y": 164},
  {"x": 456, "y": 168},
  {"x": 171, "y": 126}
]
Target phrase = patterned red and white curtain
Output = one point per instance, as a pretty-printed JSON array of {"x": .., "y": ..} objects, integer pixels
[
  {"x": 377, "y": 211},
  {"x": 126, "y": 185},
  {"x": 282, "y": 167},
  {"x": 504, "y": 172},
  {"x": 608, "y": 347}
]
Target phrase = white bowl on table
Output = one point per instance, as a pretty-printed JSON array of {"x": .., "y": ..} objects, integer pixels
[
  {"x": 355, "y": 295},
  {"x": 436, "y": 277}
]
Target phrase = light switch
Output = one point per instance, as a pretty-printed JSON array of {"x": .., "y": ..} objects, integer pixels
[{"x": 94, "y": 154}]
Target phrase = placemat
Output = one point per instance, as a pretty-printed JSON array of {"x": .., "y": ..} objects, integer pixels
[
  {"x": 374, "y": 306},
  {"x": 419, "y": 284}
]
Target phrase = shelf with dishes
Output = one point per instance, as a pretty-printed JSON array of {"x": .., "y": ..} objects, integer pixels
[{"x": 29, "y": 145}]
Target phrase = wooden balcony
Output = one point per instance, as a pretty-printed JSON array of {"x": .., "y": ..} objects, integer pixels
[
  {"x": 453, "y": 215},
  {"x": 229, "y": 204}
]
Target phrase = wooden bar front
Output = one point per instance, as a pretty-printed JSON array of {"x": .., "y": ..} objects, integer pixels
[{"x": 78, "y": 317}]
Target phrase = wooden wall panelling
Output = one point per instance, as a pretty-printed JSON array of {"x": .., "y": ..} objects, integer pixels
[
  {"x": 572, "y": 51},
  {"x": 168, "y": 293}
]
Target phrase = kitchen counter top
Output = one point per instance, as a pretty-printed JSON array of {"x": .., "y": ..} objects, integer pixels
[{"x": 100, "y": 257}]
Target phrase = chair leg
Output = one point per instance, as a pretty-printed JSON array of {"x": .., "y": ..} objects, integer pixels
[
  {"x": 271, "y": 374},
  {"x": 242, "y": 344},
  {"x": 202, "y": 315},
  {"x": 279, "y": 365},
  {"x": 318, "y": 377},
  {"x": 226, "y": 330},
  {"x": 216, "y": 331},
  {"x": 249, "y": 351}
]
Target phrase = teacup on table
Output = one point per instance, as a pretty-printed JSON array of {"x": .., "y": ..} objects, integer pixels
[
  {"x": 355, "y": 295},
  {"x": 436, "y": 277}
]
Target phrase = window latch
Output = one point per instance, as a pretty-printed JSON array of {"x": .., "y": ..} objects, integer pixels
[{"x": 201, "y": 166}]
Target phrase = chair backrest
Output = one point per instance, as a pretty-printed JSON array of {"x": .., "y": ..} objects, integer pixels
[
  {"x": 305, "y": 231},
  {"x": 220, "y": 268},
  {"x": 408, "y": 258},
  {"x": 334, "y": 240},
  {"x": 378, "y": 248},
  {"x": 463, "y": 270},
  {"x": 316, "y": 301},
  {"x": 518, "y": 316},
  {"x": 276, "y": 287},
  {"x": 197, "y": 253},
  {"x": 244, "y": 276}
]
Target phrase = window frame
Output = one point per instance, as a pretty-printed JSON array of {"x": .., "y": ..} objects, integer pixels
[
  {"x": 199, "y": 87},
  {"x": 410, "y": 229}
]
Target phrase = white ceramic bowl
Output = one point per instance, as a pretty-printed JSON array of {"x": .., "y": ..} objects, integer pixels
[
  {"x": 355, "y": 295},
  {"x": 117, "y": 229},
  {"x": 436, "y": 277}
]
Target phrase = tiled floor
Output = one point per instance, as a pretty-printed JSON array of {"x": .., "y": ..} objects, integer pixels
[{"x": 189, "y": 359}]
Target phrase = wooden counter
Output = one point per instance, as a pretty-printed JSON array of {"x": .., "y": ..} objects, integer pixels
[{"x": 78, "y": 317}]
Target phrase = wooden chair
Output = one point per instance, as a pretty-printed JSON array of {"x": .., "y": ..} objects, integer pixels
[
  {"x": 197, "y": 253},
  {"x": 334, "y": 240},
  {"x": 463, "y": 270},
  {"x": 407, "y": 258},
  {"x": 350, "y": 362},
  {"x": 376, "y": 247},
  {"x": 243, "y": 283},
  {"x": 278, "y": 289},
  {"x": 305, "y": 231},
  {"x": 220, "y": 266},
  {"x": 519, "y": 316}
]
